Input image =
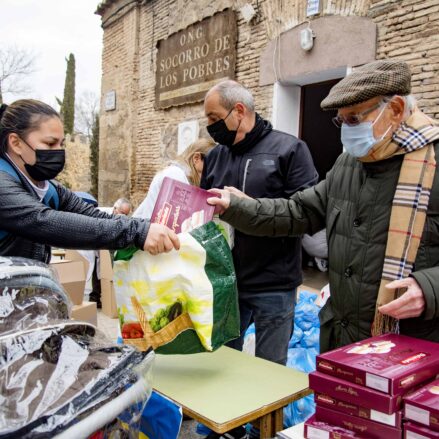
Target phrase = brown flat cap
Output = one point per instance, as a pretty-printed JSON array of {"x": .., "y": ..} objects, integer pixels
[{"x": 378, "y": 78}]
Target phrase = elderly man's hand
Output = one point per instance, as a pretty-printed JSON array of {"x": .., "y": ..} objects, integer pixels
[
  {"x": 410, "y": 304},
  {"x": 236, "y": 192},
  {"x": 160, "y": 239},
  {"x": 222, "y": 200}
]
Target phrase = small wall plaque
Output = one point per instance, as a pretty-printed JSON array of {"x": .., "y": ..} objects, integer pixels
[{"x": 110, "y": 100}]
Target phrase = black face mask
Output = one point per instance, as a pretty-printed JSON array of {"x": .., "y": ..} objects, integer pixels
[
  {"x": 220, "y": 133},
  {"x": 49, "y": 163}
]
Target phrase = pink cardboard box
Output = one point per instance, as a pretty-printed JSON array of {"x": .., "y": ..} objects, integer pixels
[
  {"x": 394, "y": 419},
  {"x": 423, "y": 405},
  {"x": 350, "y": 392},
  {"x": 318, "y": 430},
  {"x": 361, "y": 426},
  {"x": 415, "y": 431},
  {"x": 390, "y": 363}
]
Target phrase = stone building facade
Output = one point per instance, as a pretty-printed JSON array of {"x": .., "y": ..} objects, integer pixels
[{"x": 288, "y": 82}]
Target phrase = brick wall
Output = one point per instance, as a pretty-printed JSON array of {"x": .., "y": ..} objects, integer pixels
[{"x": 136, "y": 139}]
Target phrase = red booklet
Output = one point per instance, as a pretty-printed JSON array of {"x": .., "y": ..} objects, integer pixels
[{"x": 182, "y": 207}]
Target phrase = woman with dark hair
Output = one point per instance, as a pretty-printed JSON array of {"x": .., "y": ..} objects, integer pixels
[{"x": 37, "y": 213}]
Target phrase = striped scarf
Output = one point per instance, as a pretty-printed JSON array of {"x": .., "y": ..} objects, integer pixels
[{"x": 414, "y": 138}]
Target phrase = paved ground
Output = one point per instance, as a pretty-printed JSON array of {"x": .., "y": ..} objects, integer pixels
[{"x": 188, "y": 430}]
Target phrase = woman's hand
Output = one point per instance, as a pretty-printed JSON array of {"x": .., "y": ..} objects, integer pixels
[{"x": 160, "y": 239}]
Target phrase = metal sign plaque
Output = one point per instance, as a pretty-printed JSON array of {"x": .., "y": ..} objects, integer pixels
[
  {"x": 312, "y": 7},
  {"x": 191, "y": 61},
  {"x": 110, "y": 100}
]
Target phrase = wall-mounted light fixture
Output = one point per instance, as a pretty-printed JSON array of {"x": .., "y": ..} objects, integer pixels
[{"x": 307, "y": 36}]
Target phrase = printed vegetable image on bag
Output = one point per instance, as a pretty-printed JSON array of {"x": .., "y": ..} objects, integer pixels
[{"x": 180, "y": 302}]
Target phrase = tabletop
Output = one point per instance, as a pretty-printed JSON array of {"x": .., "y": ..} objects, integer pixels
[{"x": 227, "y": 388}]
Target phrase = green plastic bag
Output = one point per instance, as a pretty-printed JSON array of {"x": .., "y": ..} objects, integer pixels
[{"x": 199, "y": 280}]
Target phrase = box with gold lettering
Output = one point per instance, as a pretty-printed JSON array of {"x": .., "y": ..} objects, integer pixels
[
  {"x": 415, "y": 431},
  {"x": 314, "y": 429},
  {"x": 389, "y": 363},
  {"x": 423, "y": 405},
  {"x": 324, "y": 400},
  {"x": 353, "y": 393},
  {"x": 363, "y": 427}
]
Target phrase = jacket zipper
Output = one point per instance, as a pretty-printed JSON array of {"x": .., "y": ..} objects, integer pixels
[{"x": 247, "y": 164}]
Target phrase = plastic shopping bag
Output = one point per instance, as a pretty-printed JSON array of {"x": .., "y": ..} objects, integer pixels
[{"x": 188, "y": 297}]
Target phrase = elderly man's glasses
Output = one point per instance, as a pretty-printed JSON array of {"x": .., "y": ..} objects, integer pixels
[{"x": 354, "y": 119}]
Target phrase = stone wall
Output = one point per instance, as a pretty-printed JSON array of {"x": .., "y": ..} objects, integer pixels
[
  {"x": 136, "y": 139},
  {"x": 76, "y": 174}
]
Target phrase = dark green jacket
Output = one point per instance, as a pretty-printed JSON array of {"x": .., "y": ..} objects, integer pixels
[{"x": 354, "y": 204}]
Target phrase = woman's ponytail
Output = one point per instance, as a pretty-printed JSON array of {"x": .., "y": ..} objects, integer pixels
[{"x": 2, "y": 110}]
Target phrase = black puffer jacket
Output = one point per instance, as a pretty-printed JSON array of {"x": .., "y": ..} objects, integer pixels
[
  {"x": 33, "y": 227},
  {"x": 276, "y": 166}
]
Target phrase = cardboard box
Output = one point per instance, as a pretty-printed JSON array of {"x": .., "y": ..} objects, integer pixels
[
  {"x": 72, "y": 276},
  {"x": 350, "y": 392},
  {"x": 87, "y": 312},
  {"x": 74, "y": 255},
  {"x": 317, "y": 430},
  {"x": 394, "y": 419},
  {"x": 389, "y": 363},
  {"x": 423, "y": 405},
  {"x": 361, "y": 426},
  {"x": 108, "y": 296},
  {"x": 415, "y": 431}
]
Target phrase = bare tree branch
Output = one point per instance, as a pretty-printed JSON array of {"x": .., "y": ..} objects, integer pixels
[
  {"x": 15, "y": 66},
  {"x": 86, "y": 109}
]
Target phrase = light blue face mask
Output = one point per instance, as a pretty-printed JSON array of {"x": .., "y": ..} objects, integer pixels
[{"x": 358, "y": 140}]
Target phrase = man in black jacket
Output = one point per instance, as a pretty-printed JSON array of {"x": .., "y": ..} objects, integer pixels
[{"x": 262, "y": 162}]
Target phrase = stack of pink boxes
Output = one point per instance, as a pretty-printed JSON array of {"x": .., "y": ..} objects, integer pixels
[
  {"x": 421, "y": 409},
  {"x": 359, "y": 388}
]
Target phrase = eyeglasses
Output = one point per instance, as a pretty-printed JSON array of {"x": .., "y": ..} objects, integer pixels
[{"x": 354, "y": 119}]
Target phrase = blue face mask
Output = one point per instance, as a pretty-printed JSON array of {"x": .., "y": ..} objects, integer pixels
[{"x": 358, "y": 140}]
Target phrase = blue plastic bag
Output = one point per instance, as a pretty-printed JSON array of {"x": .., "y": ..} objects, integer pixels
[
  {"x": 311, "y": 338},
  {"x": 302, "y": 359},
  {"x": 161, "y": 419},
  {"x": 302, "y": 351}
]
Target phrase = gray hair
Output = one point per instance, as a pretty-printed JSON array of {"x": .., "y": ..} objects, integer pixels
[
  {"x": 231, "y": 92},
  {"x": 121, "y": 201},
  {"x": 410, "y": 103}
]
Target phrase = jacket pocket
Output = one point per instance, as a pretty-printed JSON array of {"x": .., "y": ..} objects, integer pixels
[
  {"x": 332, "y": 220},
  {"x": 327, "y": 328}
]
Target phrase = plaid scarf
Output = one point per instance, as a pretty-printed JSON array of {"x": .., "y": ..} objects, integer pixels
[{"x": 414, "y": 138}]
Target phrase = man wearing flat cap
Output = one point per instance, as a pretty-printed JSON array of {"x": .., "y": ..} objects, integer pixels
[{"x": 380, "y": 206}]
